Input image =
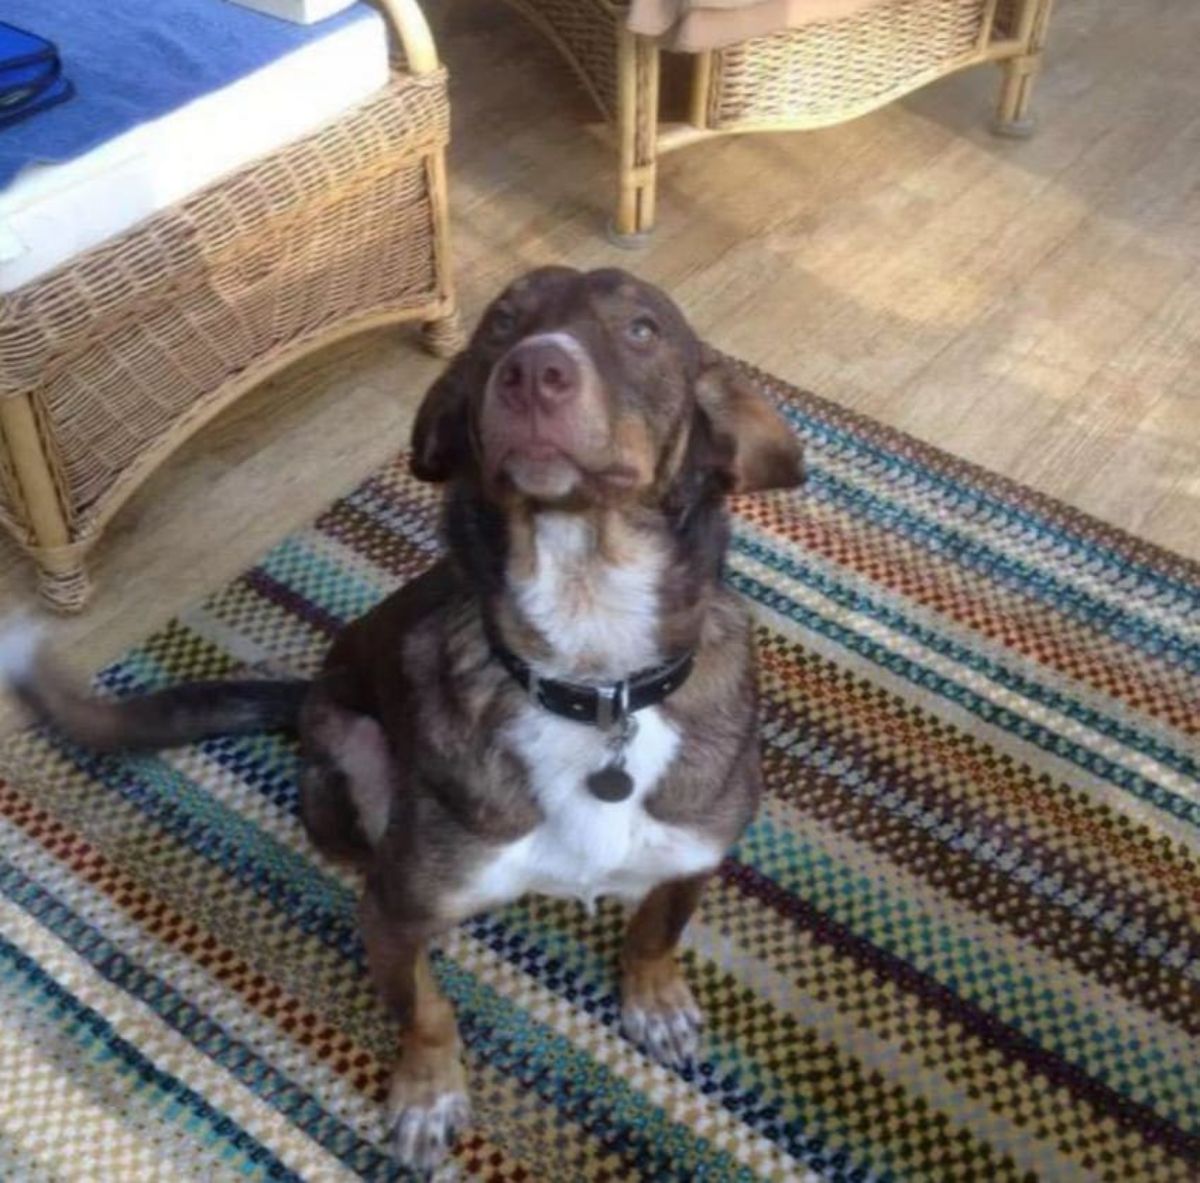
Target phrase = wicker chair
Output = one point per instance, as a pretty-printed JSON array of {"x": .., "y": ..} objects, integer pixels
[
  {"x": 809, "y": 77},
  {"x": 110, "y": 362}
]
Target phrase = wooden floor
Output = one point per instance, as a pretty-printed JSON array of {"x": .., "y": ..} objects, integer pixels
[{"x": 1034, "y": 307}]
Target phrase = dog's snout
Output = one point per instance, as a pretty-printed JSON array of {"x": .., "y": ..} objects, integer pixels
[{"x": 538, "y": 375}]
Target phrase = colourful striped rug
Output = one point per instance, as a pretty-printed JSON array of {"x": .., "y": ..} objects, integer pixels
[{"x": 961, "y": 942}]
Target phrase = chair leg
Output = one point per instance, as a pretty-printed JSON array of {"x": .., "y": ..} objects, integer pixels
[
  {"x": 62, "y": 577},
  {"x": 444, "y": 337},
  {"x": 637, "y": 129},
  {"x": 1013, "y": 118}
]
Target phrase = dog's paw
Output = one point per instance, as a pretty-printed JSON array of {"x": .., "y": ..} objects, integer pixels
[
  {"x": 660, "y": 1014},
  {"x": 423, "y": 1134},
  {"x": 671, "y": 1036},
  {"x": 424, "y": 1119}
]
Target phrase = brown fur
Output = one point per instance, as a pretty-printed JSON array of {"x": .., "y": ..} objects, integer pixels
[{"x": 689, "y": 432}]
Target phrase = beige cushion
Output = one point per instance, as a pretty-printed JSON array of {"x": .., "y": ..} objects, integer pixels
[{"x": 693, "y": 25}]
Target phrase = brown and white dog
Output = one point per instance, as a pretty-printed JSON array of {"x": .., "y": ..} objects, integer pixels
[{"x": 566, "y": 703}]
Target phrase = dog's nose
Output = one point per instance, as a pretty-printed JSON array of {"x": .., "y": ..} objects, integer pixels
[{"x": 538, "y": 374}]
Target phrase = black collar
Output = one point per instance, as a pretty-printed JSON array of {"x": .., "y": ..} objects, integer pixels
[{"x": 604, "y": 706}]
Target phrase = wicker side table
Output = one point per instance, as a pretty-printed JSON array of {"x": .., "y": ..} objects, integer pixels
[
  {"x": 808, "y": 77},
  {"x": 112, "y": 361}
]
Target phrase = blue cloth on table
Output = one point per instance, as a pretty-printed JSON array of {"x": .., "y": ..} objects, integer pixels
[{"x": 134, "y": 60}]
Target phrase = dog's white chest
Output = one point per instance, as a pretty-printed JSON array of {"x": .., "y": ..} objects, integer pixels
[
  {"x": 582, "y": 605},
  {"x": 586, "y": 848}
]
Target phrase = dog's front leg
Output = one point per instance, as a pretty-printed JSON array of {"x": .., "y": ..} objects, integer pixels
[
  {"x": 658, "y": 1009},
  {"x": 427, "y": 1104}
]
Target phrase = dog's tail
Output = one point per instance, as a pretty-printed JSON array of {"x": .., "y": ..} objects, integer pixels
[{"x": 163, "y": 719}]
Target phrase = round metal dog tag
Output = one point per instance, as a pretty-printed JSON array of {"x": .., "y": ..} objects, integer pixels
[{"x": 610, "y": 784}]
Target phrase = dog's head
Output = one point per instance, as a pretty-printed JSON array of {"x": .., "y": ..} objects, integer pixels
[{"x": 591, "y": 388}]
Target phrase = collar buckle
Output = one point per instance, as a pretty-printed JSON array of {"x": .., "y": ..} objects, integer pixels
[{"x": 612, "y": 705}]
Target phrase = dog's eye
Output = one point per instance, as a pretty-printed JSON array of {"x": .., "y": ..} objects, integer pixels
[
  {"x": 642, "y": 330},
  {"x": 504, "y": 320}
]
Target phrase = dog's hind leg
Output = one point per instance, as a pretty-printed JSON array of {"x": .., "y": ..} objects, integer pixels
[
  {"x": 658, "y": 1009},
  {"x": 347, "y": 781},
  {"x": 427, "y": 1103},
  {"x": 328, "y": 813}
]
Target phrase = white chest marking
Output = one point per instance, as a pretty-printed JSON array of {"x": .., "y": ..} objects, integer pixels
[
  {"x": 585, "y": 848},
  {"x": 583, "y": 605}
]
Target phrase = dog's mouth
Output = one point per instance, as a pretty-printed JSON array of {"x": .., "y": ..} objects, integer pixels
[
  {"x": 540, "y": 468},
  {"x": 544, "y": 470}
]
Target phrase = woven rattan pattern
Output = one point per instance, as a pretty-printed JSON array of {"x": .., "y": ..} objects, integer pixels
[
  {"x": 122, "y": 343},
  {"x": 823, "y": 71}
]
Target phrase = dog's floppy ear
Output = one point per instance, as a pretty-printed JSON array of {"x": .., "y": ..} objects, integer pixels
[
  {"x": 758, "y": 449},
  {"x": 441, "y": 432}
]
